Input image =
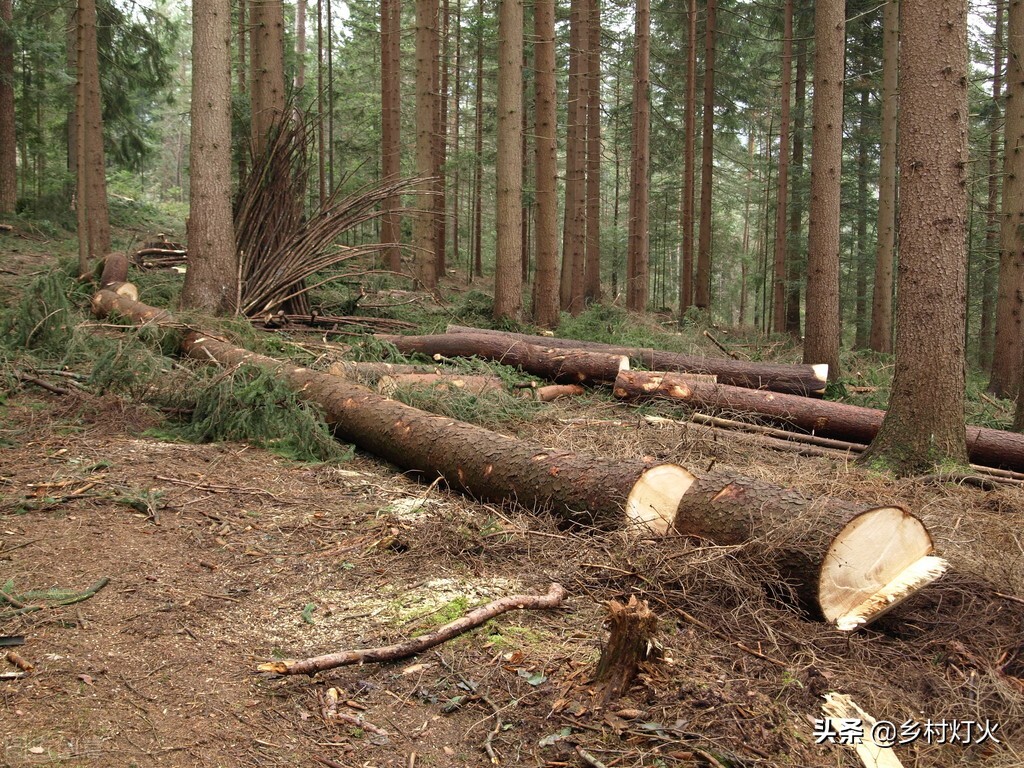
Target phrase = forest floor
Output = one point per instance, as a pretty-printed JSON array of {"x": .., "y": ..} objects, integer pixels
[{"x": 221, "y": 556}]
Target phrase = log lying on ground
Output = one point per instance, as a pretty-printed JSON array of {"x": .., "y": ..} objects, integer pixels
[
  {"x": 793, "y": 379},
  {"x": 451, "y": 382},
  {"x": 473, "y": 619},
  {"x": 853, "y": 423},
  {"x": 371, "y": 373},
  {"x": 850, "y": 567},
  {"x": 563, "y": 366},
  {"x": 115, "y": 276}
]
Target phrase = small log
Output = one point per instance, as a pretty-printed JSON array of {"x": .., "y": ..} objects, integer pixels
[
  {"x": 555, "y": 391},
  {"x": 632, "y": 629},
  {"x": 824, "y": 418},
  {"x": 474, "y": 385},
  {"x": 371, "y": 373},
  {"x": 807, "y": 380},
  {"x": 473, "y": 619},
  {"x": 563, "y": 366},
  {"x": 115, "y": 269}
]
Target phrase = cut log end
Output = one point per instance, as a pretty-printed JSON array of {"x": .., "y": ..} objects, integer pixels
[
  {"x": 879, "y": 559},
  {"x": 653, "y": 502},
  {"x": 820, "y": 371}
]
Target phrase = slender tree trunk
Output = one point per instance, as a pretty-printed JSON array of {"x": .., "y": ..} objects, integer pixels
[
  {"x": 638, "y": 255},
  {"x": 574, "y": 229},
  {"x": 545, "y": 285},
  {"x": 321, "y": 114},
  {"x": 1006, "y": 363},
  {"x": 779, "y": 283},
  {"x": 881, "y": 305},
  {"x": 330, "y": 97},
  {"x": 243, "y": 84},
  {"x": 924, "y": 425},
  {"x": 300, "y": 44},
  {"x": 689, "y": 163},
  {"x": 989, "y": 259},
  {"x": 456, "y": 123},
  {"x": 592, "y": 279},
  {"x": 267, "y": 46},
  {"x": 821, "y": 339},
  {"x": 423, "y": 233},
  {"x": 210, "y": 282},
  {"x": 527, "y": 110},
  {"x": 795, "y": 260},
  {"x": 508, "y": 284},
  {"x": 71, "y": 70},
  {"x": 861, "y": 319},
  {"x": 702, "y": 289},
  {"x": 441, "y": 146},
  {"x": 478, "y": 148},
  {"x": 81, "y": 185},
  {"x": 95, "y": 170},
  {"x": 746, "y": 228},
  {"x": 390, "y": 26},
  {"x": 8, "y": 143}
]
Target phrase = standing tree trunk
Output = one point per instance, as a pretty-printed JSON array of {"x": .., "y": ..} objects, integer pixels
[
  {"x": 266, "y": 44},
  {"x": 300, "y": 45},
  {"x": 94, "y": 169},
  {"x": 478, "y": 148},
  {"x": 574, "y": 228},
  {"x": 210, "y": 282},
  {"x": 391, "y": 122},
  {"x": 637, "y": 257},
  {"x": 702, "y": 289},
  {"x": 794, "y": 261},
  {"x": 321, "y": 143},
  {"x": 1006, "y": 362},
  {"x": 441, "y": 57},
  {"x": 861, "y": 318},
  {"x": 423, "y": 233},
  {"x": 689, "y": 161},
  {"x": 545, "y": 277},
  {"x": 881, "y": 304},
  {"x": 508, "y": 285},
  {"x": 456, "y": 136},
  {"x": 8, "y": 153},
  {"x": 779, "y": 292},
  {"x": 821, "y": 335},
  {"x": 990, "y": 258},
  {"x": 924, "y": 425},
  {"x": 592, "y": 278}
]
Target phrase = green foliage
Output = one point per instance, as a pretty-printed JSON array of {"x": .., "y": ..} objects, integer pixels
[
  {"x": 45, "y": 318},
  {"x": 254, "y": 405}
]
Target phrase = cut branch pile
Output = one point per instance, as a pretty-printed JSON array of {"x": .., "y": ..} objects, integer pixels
[
  {"x": 848, "y": 565},
  {"x": 794, "y": 379}
]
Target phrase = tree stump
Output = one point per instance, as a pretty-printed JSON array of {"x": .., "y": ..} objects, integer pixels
[{"x": 630, "y": 642}]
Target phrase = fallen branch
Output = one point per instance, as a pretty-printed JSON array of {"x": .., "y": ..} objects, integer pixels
[{"x": 473, "y": 619}]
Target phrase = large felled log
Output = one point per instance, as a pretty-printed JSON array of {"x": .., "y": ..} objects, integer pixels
[
  {"x": 848, "y": 566},
  {"x": 794, "y": 379},
  {"x": 563, "y": 366},
  {"x": 854, "y": 423}
]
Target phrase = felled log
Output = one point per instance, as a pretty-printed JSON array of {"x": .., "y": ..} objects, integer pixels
[
  {"x": 452, "y": 382},
  {"x": 825, "y": 418},
  {"x": 563, "y": 366},
  {"x": 850, "y": 567},
  {"x": 556, "y": 391},
  {"x": 371, "y": 373},
  {"x": 476, "y": 617},
  {"x": 795, "y": 379},
  {"x": 114, "y": 275}
]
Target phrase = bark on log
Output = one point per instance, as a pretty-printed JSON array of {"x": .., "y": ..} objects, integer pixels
[
  {"x": 563, "y": 366},
  {"x": 115, "y": 275},
  {"x": 452, "y": 382},
  {"x": 850, "y": 571},
  {"x": 371, "y": 373},
  {"x": 555, "y": 391},
  {"x": 804, "y": 380},
  {"x": 476, "y": 617},
  {"x": 825, "y": 418}
]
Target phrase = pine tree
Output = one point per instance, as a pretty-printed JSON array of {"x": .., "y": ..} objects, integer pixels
[
  {"x": 638, "y": 254},
  {"x": 779, "y": 292},
  {"x": 545, "y": 276},
  {"x": 702, "y": 286},
  {"x": 210, "y": 282},
  {"x": 507, "y": 274},
  {"x": 8, "y": 143}
]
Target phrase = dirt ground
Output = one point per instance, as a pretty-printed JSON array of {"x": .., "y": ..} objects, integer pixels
[{"x": 220, "y": 557}]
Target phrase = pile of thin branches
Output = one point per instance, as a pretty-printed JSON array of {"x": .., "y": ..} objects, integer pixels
[{"x": 280, "y": 249}]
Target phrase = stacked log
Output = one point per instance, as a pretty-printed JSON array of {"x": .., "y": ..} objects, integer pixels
[{"x": 808, "y": 380}]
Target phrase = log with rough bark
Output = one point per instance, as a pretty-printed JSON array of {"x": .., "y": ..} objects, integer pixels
[
  {"x": 563, "y": 366},
  {"x": 115, "y": 275},
  {"x": 825, "y": 418},
  {"x": 795, "y": 379},
  {"x": 473, "y": 619},
  {"x": 556, "y": 391},
  {"x": 371, "y": 373},
  {"x": 847, "y": 565},
  {"x": 451, "y": 382}
]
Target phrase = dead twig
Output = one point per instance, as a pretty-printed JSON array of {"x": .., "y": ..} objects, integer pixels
[{"x": 553, "y": 598}]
